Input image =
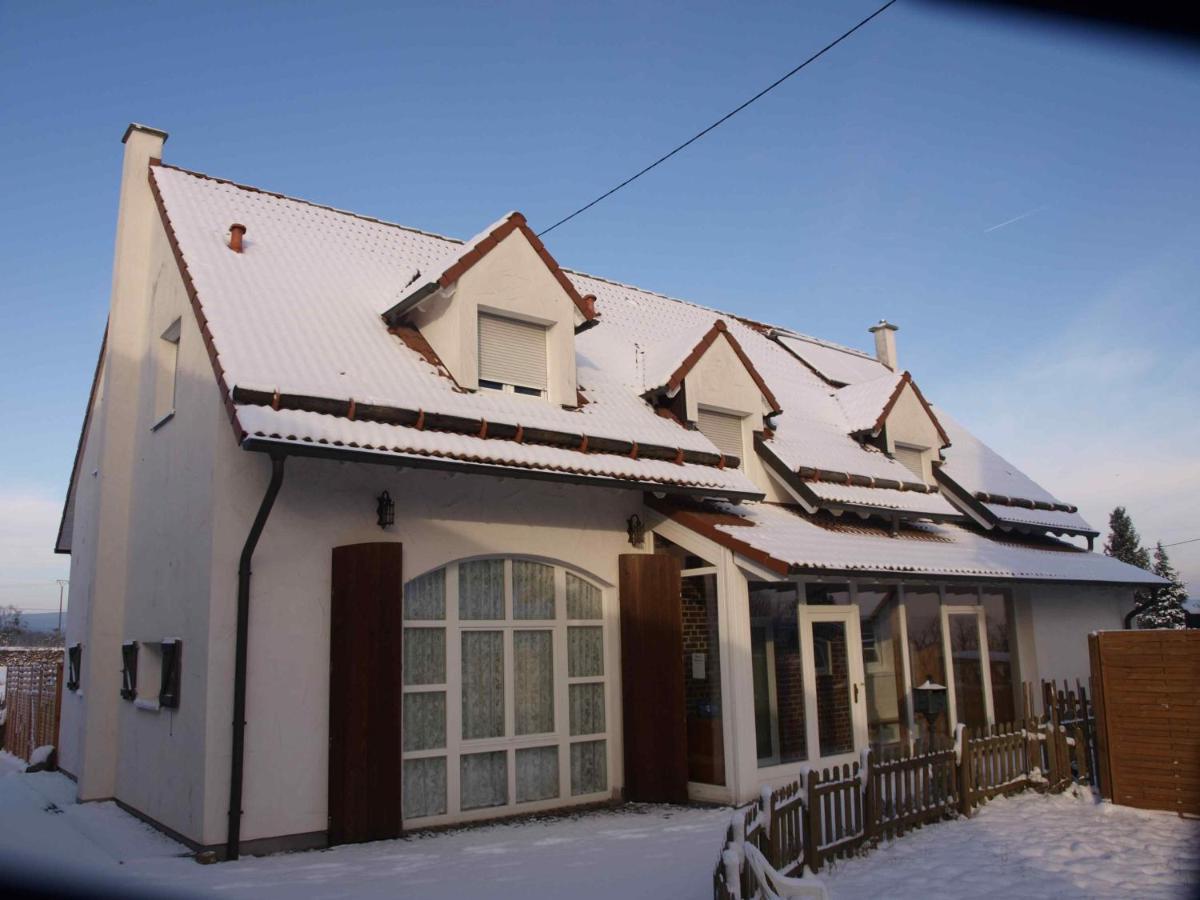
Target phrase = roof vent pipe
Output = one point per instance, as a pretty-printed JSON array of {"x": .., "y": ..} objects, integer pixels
[
  {"x": 885, "y": 343},
  {"x": 236, "y": 233}
]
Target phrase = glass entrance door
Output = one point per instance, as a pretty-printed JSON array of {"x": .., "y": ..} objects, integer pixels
[
  {"x": 833, "y": 675},
  {"x": 964, "y": 637}
]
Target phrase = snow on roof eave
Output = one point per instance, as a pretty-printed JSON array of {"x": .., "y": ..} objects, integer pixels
[{"x": 494, "y": 469}]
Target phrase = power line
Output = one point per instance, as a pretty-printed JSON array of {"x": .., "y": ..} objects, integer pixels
[
  {"x": 1181, "y": 543},
  {"x": 721, "y": 121}
]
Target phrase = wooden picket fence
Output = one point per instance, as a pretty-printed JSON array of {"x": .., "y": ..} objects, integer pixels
[
  {"x": 838, "y": 812},
  {"x": 33, "y": 701}
]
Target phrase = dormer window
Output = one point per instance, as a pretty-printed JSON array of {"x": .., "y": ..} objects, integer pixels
[
  {"x": 724, "y": 430},
  {"x": 512, "y": 355},
  {"x": 915, "y": 459}
]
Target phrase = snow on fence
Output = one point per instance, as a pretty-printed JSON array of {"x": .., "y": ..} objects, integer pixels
[
  {"x": 834, "y": 813},
  {"x": 33, "y": 697}
]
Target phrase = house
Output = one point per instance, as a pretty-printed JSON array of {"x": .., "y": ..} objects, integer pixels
[{"x": 372, "y": 529}]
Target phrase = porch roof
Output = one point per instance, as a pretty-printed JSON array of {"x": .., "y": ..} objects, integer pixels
[{"x": 788, "y": 541}]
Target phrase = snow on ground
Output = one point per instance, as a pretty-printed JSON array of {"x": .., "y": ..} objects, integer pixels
[
  {"x": 1031, "y": 847},
  {"x": 1034, "y": 846}
]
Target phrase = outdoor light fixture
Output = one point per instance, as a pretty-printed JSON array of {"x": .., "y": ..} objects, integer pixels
[
  {"x": 929, "y": 702},
  {"x": 385, "y": 510},
  {"x": 636, "y": 530}
]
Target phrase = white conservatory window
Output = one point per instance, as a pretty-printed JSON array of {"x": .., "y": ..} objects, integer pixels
[
  {"x": 505, "y": 690},
  {"x": 512, "y": 355}
]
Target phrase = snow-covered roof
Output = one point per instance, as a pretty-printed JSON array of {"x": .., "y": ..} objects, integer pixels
[
  {"x": 841, "y": 365},
  {"x": 1002, "y": 489},
  {"x": 300, "y": 348},
  {"x": 865, "y": 401},
  {"x": 787, "y": 540}
]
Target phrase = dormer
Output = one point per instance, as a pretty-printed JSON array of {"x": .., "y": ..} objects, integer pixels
[
  {"x": 717, "y": 390},
  {"x": 500, "y": 315},
  {"x": 891, "y": 413}
]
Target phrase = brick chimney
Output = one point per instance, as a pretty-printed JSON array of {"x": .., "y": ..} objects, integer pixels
[{"x": 885, "y": 343}]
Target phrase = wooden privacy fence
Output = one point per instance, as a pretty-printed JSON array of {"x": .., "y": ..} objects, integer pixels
[
  {"x": 836, "y": 812},
  {"x": 1148, "y": 717},
  {"x": 33, "y": 701}
]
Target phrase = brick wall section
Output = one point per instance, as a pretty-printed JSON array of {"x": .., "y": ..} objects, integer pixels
[{"x": 700, "y": 636}]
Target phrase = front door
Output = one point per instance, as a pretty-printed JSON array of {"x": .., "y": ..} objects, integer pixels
[
  {"x": 835, "y": 690},
  {"x": 969, "y": 682}
]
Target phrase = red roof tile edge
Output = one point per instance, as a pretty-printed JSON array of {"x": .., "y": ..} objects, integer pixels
[{"x": 720, "y": 328}]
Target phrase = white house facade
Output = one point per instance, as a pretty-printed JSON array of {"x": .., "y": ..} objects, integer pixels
[{"x": 373, "y": 530}]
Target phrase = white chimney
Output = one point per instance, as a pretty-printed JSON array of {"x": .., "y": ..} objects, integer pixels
[{"x": 885, "y": 343}]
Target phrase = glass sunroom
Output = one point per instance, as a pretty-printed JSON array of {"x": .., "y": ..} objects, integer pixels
[{"x": 783, "y": 673}]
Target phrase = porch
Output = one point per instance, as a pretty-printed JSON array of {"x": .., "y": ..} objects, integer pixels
[{"x": 806, "y": 672}]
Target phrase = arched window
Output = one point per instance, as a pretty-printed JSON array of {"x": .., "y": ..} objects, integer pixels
[{"x": 505, "y": 691}]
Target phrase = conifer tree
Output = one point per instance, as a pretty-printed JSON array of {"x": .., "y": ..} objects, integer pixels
[
  {"x": 1166, "y": 603},
  {"x": 1124, "y": 543}
]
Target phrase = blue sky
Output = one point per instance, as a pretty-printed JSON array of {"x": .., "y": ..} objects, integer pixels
[{"x": 1022, "y": 200}]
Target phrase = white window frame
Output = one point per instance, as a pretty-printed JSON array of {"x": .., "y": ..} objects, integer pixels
[
  {"x": 926, "y": 473},
  {"x": 984, "y": 660},
  {"x": 456, "y": 747}
]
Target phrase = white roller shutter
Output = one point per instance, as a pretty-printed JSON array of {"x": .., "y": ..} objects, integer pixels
[
  {"x": 722, "y": 429},
  {"x": 512, "y": 352},
  {"x": 912, "y": 458}
]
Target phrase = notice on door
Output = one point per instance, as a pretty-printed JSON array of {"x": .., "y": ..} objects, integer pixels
[{"x": 698, "y": 667}]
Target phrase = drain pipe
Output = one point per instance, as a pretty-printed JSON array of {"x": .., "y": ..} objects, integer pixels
[
  {"x": 1139, "y": 607},
  {"x": 234, "y": 837}
]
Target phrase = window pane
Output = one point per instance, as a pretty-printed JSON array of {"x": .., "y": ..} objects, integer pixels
[
  {"x": 1001, "y": 656},
  {"x": 481, "y": 589},
  {"x": 922, "y": 609},
  {"x": 533, "y": 682},
  {"x": 484, "y": 779},
  {"x": 482, "y": 684},
  {"x": 537, "y": 774},
  {"x": 827, "y": 594},
  {"x": 424, "y": 787},
  {"x": 831, "y": 661},
  {"x": 589, "y": 768},
  {"x": 883, "y": 665},
  {"x": 779, "y": 722},
  {"x": 702, "y": 679},
  {"x": 425, "y": 720},
  {"x": 424, "y": 655},
  {"x": 587, "y": 708},
  {"x": 968, "y": 670},
  {"x": 533, "y": 590},
  {"x": 583, "y": 599},
  {"x": 425, "y": 597},
  {"x": 686, "y": 559},
  {"x": 585, "y": 651},
  {"x": 961, "y": 596}
]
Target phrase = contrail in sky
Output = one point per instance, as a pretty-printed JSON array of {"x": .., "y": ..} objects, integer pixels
[{"x": 1023, "y": 215}]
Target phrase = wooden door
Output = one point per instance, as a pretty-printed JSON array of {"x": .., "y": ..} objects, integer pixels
[
  {"x": 365, "y": 691},
  {"x": 652, "y": 684}
]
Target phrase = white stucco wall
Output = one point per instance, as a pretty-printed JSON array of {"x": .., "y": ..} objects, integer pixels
[
  {"x": 1056, "y": 620},
  {"x": 440, "y": 518},
  {"x": 513, "y": 280}
]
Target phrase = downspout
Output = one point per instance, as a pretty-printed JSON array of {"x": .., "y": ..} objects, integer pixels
[{"x": 233, "y": 841}]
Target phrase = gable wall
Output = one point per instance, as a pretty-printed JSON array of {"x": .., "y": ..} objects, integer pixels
[
  {"x": 511, "y": 280},
  {"x": 169, "y": 558}
]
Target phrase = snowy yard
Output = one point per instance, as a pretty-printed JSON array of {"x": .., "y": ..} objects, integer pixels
[{"x": 1030, "y": 847}]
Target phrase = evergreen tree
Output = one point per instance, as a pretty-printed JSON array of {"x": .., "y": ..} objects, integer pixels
[
  {"x": 1166, "y": 603},
  {"x": 1124, "y": 543}
]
